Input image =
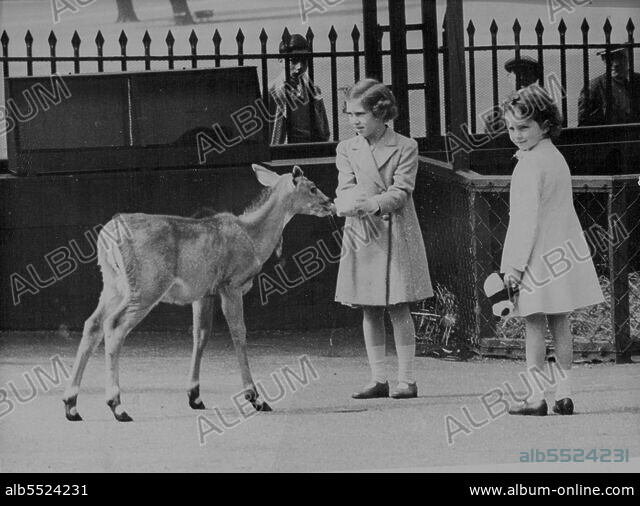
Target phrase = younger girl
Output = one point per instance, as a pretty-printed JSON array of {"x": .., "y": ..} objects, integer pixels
[
  {"x": 545, "y": 251},
  {"x": 384, "y": 264}
]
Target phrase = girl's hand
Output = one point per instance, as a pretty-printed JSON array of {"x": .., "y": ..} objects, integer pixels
[
  {"x": 512, "y": 277},
  {"x": 365, "y": 205}
]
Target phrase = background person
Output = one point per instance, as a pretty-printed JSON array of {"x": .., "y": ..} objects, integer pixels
[
  {"x": 595, "y": 108},
  {"x": 297, "y": 102},
  {"x": 521, "y": 72}
]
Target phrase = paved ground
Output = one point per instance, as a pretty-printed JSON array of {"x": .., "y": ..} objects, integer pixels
[{"x": 316, "y": 427}]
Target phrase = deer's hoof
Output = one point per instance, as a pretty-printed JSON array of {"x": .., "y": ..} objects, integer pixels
[
  {"x": 263, "y": 406},
  {"x": 198, "y": 404},
  {"x": 70, "y": 410},
  {"x": 260, "y": 406},
  {"x": 123, "y": 417},
  {"x": 194, "y": 398}
]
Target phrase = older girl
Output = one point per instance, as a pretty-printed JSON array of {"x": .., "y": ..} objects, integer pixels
[
  {"x": 545, "y": 251},
  {"x": 384, "y": 265}
]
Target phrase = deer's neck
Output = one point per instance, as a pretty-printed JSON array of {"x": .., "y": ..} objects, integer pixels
[{"x": 266, "y": 223}]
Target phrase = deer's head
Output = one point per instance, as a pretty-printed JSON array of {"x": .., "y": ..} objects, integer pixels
[{"x": 303, "y": 194}]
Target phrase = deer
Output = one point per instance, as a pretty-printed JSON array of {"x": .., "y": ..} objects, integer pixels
[{"x": 179, "y": 260}]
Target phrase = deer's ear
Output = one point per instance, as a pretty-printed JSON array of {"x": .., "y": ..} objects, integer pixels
[
  {"x": 297, "y": 172},
  {"x": 264, "y": 175}
]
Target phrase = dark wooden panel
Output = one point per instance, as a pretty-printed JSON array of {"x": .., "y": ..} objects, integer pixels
[{"x": 136, "y": 120}]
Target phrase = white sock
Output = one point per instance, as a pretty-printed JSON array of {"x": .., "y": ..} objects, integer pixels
[
  {"x": 536, "y": 394},
  {"x": 406, "y": 358},
  {"x": 564, "y": 386},
  {"x": 376, "y": 356}
]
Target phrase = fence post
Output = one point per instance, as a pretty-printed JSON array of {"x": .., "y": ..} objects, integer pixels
[
  {"x": 457, "y": 78},
  {"x": 619, "y": 273},
  {"x": 372, "y": 57},
  {"x": 52, "y": 40},
  {"x": 4, "y": 40},
  {"x": 632, "y": 97},
  {"x": 399, "y": 64},
  {"x": 170, "y": 41},
  {"x": 28, "y": 40},
  {"x": 333, "y": 37},
  {"x": 485, "y": 325},
  {"x": 539, "y": 38},
  {"x": 562, "y": 30},
  {"x": 431, "y": 68}
]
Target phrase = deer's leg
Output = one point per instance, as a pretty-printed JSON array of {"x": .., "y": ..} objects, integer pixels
[
  {"x": 202, "y": 325},
  {"x": 91, "y": 337},
  {"x": 116, "y": 328},
  {"x": 232, "y": 307}
]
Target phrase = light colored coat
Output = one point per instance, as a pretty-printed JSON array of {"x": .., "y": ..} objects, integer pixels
[
  {"x": 384, "y": 260},
  {"x": 545, "y": 238}
]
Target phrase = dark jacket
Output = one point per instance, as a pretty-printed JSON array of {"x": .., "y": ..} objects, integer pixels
[
  {"x": 597, "y": 111},
  {"x": 281, "y": 95}
]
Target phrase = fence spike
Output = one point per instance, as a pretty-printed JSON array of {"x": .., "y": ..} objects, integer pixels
[
  {"x": 286, "y": 36},
  {"x": 310, "y": 35},
  {"x": 562, "y": 27},
  {"x": 539, "y": 27},
  {"x": 240, "y": 36},
  {"x": 333, "y": 35},
  {"x": 517, "y": 28},
  {"x": 193, "y": 38},
  {"x": 123, "y": 39},
  {"x": 4, "y": 40},
  {"x": 494, "y": 27},
  {"x": 99, "y": 39},
  {"x": 28, "y": 38},
  {"x": 630, "y": 27},
  {"x": 75, "y": 40},
  {"x": 146, "y": 39},
  {"x": 607, "y": 27},
  {"x": 584, "y": 26},
  {"x": 263, "y": 36},
  {"x": 52, "y": 40},
  {"x": 217, "y": 38},
  {"x": 170, "y": 40},
  {"x": 471, "y": 29}
]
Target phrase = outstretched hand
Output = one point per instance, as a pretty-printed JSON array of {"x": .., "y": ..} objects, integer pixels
[{"x": 364, "y": 205}]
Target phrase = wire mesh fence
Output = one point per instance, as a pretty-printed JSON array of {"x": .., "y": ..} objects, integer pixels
[{"x": 465, "y": 219}]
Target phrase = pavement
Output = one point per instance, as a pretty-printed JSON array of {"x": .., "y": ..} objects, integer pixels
[{"x": 457, "y": 424}]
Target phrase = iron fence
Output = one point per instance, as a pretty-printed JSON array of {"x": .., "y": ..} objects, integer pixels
[
  {"x": 332, "y": 81},
  {"x": 340, "y": 68}
]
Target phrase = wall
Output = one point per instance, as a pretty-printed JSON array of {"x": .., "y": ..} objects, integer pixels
[{"x": 42, "y": 214}]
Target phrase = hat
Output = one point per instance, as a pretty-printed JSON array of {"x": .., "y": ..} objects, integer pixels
[
  {"x": 615, "y": 51},
  {"x": 524, "y": 62},
  {"x": 296, "y": 43}
]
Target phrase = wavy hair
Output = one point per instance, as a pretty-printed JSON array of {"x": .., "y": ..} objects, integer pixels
[
  {"x": 533, "y": 102},
  {"x": 374, "y": 97}
]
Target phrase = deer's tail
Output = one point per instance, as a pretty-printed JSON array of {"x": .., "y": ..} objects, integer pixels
[{"x": 115, "y": 256}]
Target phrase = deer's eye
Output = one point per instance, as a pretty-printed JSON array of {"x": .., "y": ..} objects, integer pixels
[{"x": 314, "y": 190}]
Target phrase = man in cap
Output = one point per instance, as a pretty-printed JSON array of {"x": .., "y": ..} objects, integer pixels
[
  {"x": 595, "y": 107},
  {"x": 522, "y": 72},
  {"x": 296, "y": 103}
]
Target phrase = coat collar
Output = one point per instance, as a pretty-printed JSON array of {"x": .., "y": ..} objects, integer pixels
[
  {"x": 542, "y": 145},
  {"x": 371, "y": 162}
]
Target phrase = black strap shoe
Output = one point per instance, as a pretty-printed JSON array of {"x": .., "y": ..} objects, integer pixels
[
  {"x": 530, "y": 409},
  {"x": 405, "y": 391},
  {"x": 372, "y": 391},
  {"x": 563, "y": 406}
]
